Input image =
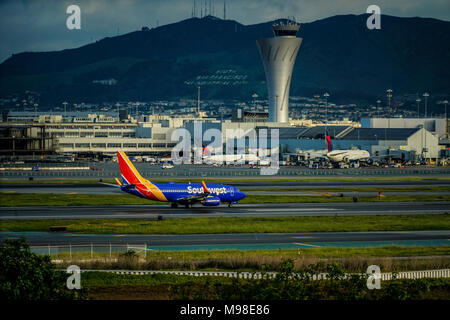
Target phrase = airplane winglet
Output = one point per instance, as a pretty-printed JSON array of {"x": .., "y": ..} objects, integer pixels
[
  {"x": 118, "y": 182},
  {"x": 205, "y": 189}
]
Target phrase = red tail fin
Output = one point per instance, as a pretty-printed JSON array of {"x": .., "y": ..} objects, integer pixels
[
  {"x": 129, "y": 173},
  {"x": 329, "y": 145}
]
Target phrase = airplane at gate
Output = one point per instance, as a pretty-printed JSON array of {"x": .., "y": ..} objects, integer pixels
[
  {"x": 344, "y": 155},
  {"x": 185, "y": 194}
]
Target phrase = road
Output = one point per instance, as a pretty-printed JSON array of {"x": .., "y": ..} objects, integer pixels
[
  {"x": 239, "y": 241},
  {"x": 240, "y": 210}
]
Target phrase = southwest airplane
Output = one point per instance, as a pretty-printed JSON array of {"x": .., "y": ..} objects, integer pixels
[{"x": 177, "y": 193}]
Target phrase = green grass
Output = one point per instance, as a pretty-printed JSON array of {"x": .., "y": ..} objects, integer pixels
[
  {"x": 239, "y": 225},
  {"x": 104, "y": 279},
  {"x": 45, "y": 199},
  {"x": 319, "y": 253}
]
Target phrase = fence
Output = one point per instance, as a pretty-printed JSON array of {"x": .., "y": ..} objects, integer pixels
[
  {"x": 440, "y": 273},
  {"x": 92, "y": 250},
  {"x": 202, "y": 171}
]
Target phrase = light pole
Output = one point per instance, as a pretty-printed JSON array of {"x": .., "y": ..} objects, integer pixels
[
  {"x": 137, "y": 111},
  {"x": 118, "y": 112},
  {"x": 389, "y": 96},
  {"x": 326, "y": 95},
  {"x": 418, "y": 107},
  {"x": 65, "y": 109},
  {"x": 426, "y": 95},
  {"x": 446, "y": 121},
  {"x": 198, "y": 101},
  {"x": 317, "y": 97},
  {"x": 378, "y": 108},
  {"x": 35, "y": 110}
]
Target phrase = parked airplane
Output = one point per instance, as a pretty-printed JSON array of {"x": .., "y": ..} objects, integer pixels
[
  {"x": 345, "y": 155},
  {"x": 177, "y": 193},
  {"x": 224, "y": 159}
]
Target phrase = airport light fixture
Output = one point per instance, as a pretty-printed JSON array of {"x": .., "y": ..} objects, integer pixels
[
  {"x": 378, "y": 108},
  {"x": 426, "y": 95},
  {"x": 35, "y": 109},
  {"x": 65, "y": 108},
  {"x": 326, "y": 95},
  {"x": 389, "y": 96},
  {"x": 445, "y": 104},
  {"x": 418, "y": 106},
  {"x": 446, "y": 121}
]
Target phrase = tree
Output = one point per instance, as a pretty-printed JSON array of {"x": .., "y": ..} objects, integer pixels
[{"x": 25, "y": 275}]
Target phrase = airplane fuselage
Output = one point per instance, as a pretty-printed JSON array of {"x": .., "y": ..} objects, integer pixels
[
  {"x": 175, "y": 192},
  {"x": 348, "y": 155}
]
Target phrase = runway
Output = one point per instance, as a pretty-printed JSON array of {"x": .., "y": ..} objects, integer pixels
[
  {"x": 239, "y": 241},
  {"x": 240, "y": 210}
]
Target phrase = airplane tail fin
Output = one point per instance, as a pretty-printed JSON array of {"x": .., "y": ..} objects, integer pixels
[
  {"x": 129, "y": 173},
  {"x": 328, "y": 139}
]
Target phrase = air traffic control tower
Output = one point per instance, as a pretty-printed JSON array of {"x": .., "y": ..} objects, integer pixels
[{"x": 278, "y": 56}]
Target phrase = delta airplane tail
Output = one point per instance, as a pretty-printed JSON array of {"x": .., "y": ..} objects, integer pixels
[{"x": 328, "y": 139}]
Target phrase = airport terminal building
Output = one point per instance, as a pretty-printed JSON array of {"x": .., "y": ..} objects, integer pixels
[{"x": 84, "y": 135}]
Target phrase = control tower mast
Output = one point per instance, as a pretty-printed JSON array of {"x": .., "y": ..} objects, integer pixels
[{"x": 278, "y": 56}]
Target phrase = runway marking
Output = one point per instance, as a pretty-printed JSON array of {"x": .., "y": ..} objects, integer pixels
[
  {"x": 300, "y": 209},
  {"x": 307, "y": 245},
  {"x": 302, "y": 237}
]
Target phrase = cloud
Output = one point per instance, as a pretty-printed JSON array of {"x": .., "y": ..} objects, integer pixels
[{"x": 40, "y": 25}]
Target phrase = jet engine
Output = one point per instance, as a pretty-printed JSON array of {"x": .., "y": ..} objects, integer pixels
[{"x": 211, "y": 201}]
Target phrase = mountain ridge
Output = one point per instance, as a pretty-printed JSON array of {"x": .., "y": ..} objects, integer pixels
[{"x": 338, "y": 54}]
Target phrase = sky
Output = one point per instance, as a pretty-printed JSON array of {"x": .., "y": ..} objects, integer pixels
[{"x": 40, "y": 25}]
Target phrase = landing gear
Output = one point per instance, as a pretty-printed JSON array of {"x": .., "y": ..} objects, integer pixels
[
  {"x": 188, "y": 205},
  {"x": 174, "y": 205},
  {"x": 230, "y": 205}
]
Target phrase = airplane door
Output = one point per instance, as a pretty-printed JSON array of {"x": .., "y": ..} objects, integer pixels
[{"x": 232, "y": 191}]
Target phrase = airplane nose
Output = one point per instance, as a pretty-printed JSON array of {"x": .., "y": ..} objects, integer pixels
[{"x": 241, "y": 195}]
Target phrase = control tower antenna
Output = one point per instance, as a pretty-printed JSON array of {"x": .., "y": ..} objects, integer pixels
[{"x": 224, "y": 10}]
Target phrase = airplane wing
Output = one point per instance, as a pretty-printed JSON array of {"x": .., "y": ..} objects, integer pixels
[
  {"x": 110, "y": 184},
  {"x": 197, "y": 197},
  {"x": 117, "y": 185}
]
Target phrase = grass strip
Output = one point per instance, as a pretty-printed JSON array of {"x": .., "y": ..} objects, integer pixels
[
  {"x": 239, "y": 225},
  {"x": 49, "y": 199}
]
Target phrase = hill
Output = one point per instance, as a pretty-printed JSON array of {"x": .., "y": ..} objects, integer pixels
[{"x": 338, "y": 54}]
